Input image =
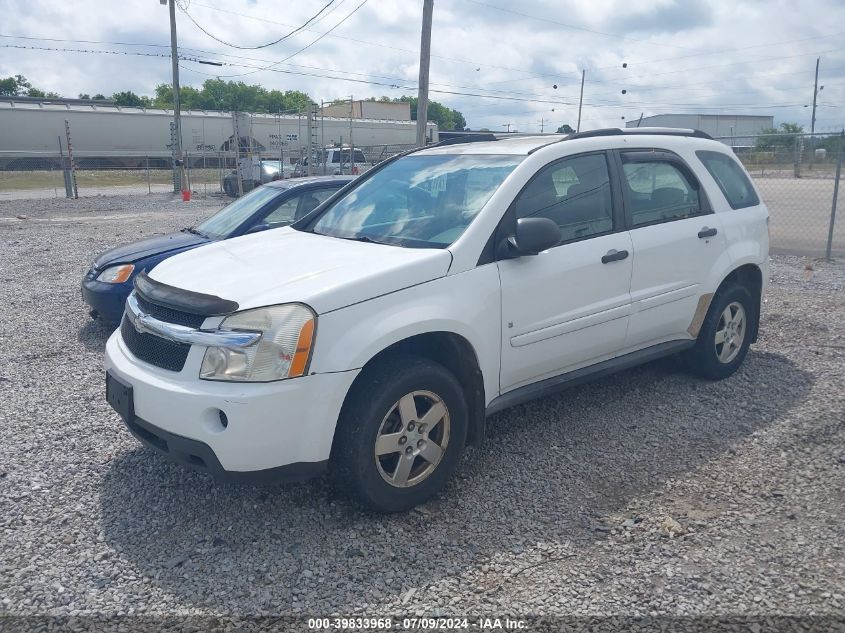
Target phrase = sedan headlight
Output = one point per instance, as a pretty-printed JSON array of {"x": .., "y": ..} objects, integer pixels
[
  {"x": 283, "y": 351},
  {"x": 116, "y": 274}
]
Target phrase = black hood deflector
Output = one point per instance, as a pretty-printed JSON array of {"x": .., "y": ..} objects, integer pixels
[{"x": 183, "y": 300}]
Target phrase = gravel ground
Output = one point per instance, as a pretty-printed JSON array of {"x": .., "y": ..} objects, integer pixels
[{"x": 649, "y": 493}]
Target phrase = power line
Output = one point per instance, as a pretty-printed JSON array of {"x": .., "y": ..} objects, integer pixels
[
  {"x": 377, "y": 83},
  {"x": 274, "y": 42},
  {"x": 653, "y": 105},
  {"x": 576, "y": 27},
  {"x": 304, "y": 48},
  {"x": 472, "y": 62},
  {"x": 675, "y": 58}
]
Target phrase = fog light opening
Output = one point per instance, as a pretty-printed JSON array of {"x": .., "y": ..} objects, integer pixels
[{"x": 214, "y": 421}]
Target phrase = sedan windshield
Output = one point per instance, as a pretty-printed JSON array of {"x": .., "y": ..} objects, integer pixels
[
  {"x": 417, "y": 201},
  {"x": 221, "y": 225}
]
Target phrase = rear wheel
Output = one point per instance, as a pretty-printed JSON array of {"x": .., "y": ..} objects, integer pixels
[
  {"x": 400, "y": 434},
  {"x": 725, "y": 335}
]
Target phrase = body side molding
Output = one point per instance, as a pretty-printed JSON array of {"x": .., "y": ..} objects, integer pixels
[{"x": 579, "y": 376}]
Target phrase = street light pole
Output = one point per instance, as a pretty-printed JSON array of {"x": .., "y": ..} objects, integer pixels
[
  {"x": 179, "y": 167},
  {"x": 425, "y": 61}
]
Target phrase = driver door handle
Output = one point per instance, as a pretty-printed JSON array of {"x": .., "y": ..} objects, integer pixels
[
  {"x": 613, "y": 256},
  {"x": 705, "y": 232}
]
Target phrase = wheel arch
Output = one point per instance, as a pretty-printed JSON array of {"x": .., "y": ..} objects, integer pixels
[
  {"x": 456, "y": 354},
  {"x": 750, "y": 277}
]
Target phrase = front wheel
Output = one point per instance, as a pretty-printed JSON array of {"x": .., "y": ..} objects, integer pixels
[
  {"x": 725, "y": 335},
  {"x": 400, "y": 434}
]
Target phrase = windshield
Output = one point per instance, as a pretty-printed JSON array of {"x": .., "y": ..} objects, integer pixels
[
  {"x": 220, "y": 225},
  {"x": 417, "y": 201}
]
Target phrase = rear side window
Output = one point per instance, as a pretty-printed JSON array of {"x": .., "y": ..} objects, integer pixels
[
  {"x": 731, "y": 179},
  {"x": 659, "y": 192}
]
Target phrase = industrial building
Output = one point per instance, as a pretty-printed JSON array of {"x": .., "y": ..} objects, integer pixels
[{"x": 736, "y": 130}]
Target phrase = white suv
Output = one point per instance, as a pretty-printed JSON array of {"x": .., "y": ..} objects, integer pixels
[
  {"x": 375, "y": 335},
  {"x": 335, "y": 161}
]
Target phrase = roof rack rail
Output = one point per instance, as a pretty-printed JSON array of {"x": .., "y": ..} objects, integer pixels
[
  {"x": 469, "y": 138},
  {"x": 659, "y": 131}
]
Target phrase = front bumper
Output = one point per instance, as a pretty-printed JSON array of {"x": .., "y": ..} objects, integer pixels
[
  {"x": 198, "y": 456},
  {"x": 289, "y": 423},
  {"x": 106, "y": 300}
]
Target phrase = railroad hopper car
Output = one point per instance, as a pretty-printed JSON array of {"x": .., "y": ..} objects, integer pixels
[{"x": 110, "y": 136}]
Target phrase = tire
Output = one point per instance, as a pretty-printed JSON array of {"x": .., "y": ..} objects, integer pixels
[
  {"x": 716, "y": 360},
  {"x": 391, "y": 401}
]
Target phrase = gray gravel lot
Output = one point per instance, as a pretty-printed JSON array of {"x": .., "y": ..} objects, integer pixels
[{"x": 647, "y": 493}]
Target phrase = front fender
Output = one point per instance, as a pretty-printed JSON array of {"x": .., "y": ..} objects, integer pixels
[{"x": 466, "y": 304}]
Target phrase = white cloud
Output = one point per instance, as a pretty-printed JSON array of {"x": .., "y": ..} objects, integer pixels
[{"x": 747, "y": 56}]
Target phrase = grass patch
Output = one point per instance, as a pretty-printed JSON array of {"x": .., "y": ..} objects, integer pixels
[{"x": 53, "y": 179}]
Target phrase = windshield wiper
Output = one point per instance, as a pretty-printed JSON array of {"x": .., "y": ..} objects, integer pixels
[
  {"x": 355, "y": 238},
  {"x": 363, "y": 238},
  {"x": 191, "y": 229}
]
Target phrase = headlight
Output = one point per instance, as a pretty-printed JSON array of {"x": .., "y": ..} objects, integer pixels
[
  {"x": 116, "y": 274},
  {"x": 283, "y": 351}
]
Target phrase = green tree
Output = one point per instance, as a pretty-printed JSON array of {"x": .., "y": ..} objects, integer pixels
[
  {"x": 15, "y": 86},
  {"x": 446, "y": 118},
  {"x": 83, "y": 95},
  {"x": 778, "y": 138},
  {"x": 37, "y": 92},
  {"x": 129, "y": 99},
  {"x": 565, "y": 129}
]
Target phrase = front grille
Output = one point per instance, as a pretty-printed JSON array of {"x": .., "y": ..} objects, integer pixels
[
  {"x": 154, "y": 349},
  {"x": 169, "y": 314}
]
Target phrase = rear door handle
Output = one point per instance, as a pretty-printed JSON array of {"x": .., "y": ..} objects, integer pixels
[
  {"x": 613, "y": 256},
  {"x": 705, "y": 232}
]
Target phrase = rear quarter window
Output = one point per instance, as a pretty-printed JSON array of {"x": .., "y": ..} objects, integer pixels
[{"x": 731, "y": 178}]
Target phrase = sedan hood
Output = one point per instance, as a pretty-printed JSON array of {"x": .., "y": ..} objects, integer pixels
[
  {"x": 284, "y": 265},
  {"x": 129, "y": 253}
]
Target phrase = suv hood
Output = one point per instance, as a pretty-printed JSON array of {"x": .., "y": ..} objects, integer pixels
[
  {"x": 284, "y": 265},
  {"x": 129, "y": 253}
]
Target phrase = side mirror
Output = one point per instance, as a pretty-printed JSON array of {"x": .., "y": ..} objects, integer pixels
[
  {"x": 532, "y": 236},
  {"x": 263, "y": 226}
]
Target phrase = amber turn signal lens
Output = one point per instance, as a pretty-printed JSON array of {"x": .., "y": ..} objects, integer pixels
[{"x": 303, "y": 349}]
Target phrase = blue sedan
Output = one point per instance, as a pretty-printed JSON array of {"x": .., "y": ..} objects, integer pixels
[{"x": 109, "y": 281}]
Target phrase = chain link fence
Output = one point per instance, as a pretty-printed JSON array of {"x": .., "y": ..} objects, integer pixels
[
  {"x": 43, "y": 175},
  {"x": 795, "y": 173}
]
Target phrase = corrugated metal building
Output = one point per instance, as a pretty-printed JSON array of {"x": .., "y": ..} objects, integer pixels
[{"x": 736, "y": 130}]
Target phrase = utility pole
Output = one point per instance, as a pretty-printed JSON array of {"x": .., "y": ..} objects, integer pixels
[
  {"x": 542, "y": 121},
  {"x": 425, "y": 61},
  {"x": 813, "y": 118},
  {"x": 507, "y": 125},
  {"x": 351, "y": 143},
  {"x": 179, "y": 167},
  {"x": 580, "y": 101}
]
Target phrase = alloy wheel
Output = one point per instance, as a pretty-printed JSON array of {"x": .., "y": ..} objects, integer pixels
[
  {"x": 412, "y": 439},
  {"x": 730, "y": 332}
]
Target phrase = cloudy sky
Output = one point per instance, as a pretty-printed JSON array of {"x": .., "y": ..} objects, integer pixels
[{"x": 499, "y": 62}]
